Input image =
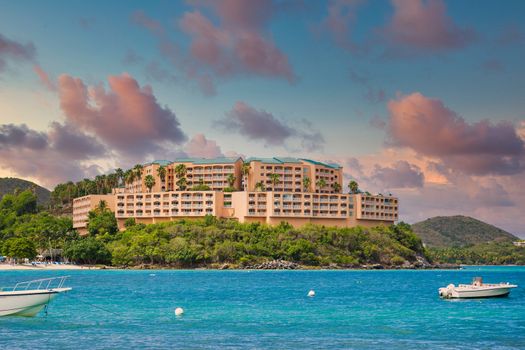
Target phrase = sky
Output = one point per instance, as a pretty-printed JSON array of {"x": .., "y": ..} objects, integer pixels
[{"x": 423, "y": 99}]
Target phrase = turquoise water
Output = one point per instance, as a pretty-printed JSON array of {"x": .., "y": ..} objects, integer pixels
[{"x": 270, "y": 310}]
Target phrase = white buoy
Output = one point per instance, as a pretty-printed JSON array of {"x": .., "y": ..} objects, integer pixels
[
  {"x": 179, "y": 311},
  {"x": 311, "y": 293},
  {"x": 152, "y": 274}
]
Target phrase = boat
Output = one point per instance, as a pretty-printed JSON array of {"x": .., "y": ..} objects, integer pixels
[
  {"x": 30, "y": 297},
  {"x": 477, "y": 289}
]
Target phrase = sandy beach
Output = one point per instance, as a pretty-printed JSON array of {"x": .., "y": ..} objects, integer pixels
[{"x": 5, "y": 267}]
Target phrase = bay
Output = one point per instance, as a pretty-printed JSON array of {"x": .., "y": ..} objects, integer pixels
[{"x": 352, "y": 309}]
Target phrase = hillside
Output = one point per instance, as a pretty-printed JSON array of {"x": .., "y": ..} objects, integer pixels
[
  {"x": 458, "y": 231},
  {"x": 10, "y": 184}
]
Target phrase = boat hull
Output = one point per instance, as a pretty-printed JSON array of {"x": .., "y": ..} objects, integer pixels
[
  {"x": 26, "y": 303},
  {"x": 471, "y": 292},
  {"x": 486, "y": 293}
]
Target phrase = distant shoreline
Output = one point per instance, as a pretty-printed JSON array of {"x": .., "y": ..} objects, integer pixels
[
  {"x": 42, "y": 267},
  {"x": 53, "y": 267}
]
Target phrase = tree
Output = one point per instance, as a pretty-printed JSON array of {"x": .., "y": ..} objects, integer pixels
[
  {"x": 259, "y": 186},
  {"x": 87, "y": 250},
  {"x": 337, "y": 187},
  {"x": 47, "y": 231},
  {"x": 19, "y": 248},
  {"x": 275, "y": 179},
  {"x": 102, "y": 205},
  {"x": 99, "y": 183},
  {"x": 130, "y": 222},
  {"x": 24, "y": 202},
  {"x": 138, "y": 169},
  {"x": 161, "y": 171},
  {"x": 120, "y": 175},
  {"x": 321, "y": 183},
  {"x": 245, "y": 172},
  {"x": 201, "y": 186},
  {"x": 149, "y": 181},
  {"x": 181, "y": 184},
  {"x": 102, "y": 221},
  {"x": 353, "y": 186},
  {"x": 129, "y": 176},
  {"x": 231, "y": 180},
  {"x": 180, "y": 170},
  {"x": 306, "y": 183},
  {"x": 179, "y": 251}
]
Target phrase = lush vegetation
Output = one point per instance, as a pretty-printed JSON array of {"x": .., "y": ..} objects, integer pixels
[
  {"x": 8, "y": 185},
  {"x": 494, "y": 253},
  {"x": 24, "y": 230},
  {"x": 209, "y": 241},
  {"x": 458, "y": 231}
]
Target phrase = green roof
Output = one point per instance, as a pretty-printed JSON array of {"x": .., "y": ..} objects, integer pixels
[
  {"x": 220, "y": 160},
  {"x": 281, "y": 160},
  {"x": 227, "y": 160},
  {"x": 328, "y": 165},
  {"x": 162, "y": 162},
  {"x": 274, "y": 160}
]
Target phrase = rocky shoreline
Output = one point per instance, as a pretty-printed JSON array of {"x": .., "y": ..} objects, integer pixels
[{"x": 419, "y": 264}]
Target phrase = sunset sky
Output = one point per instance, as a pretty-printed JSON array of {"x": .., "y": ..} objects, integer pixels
[{"x": 422, "y": 99}]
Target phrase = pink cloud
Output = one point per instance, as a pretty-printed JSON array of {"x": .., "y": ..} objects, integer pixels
[
  {"x": 340, "y": 21},
  {"x": 126, "y": 117},
  {"x": 428, "y": 127},
  {"x": 200, "y": 146},
  {"x": 424, "y": 25},
  {"x": 44, "y": 78},
  {"x": 240, "y": 45}
]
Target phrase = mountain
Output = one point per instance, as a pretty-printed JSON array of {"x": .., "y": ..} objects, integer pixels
[
  {"x": 457, "y": 231},
  {"x": 10, "y": 184}
]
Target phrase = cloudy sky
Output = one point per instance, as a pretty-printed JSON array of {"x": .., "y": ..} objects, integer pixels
[{"x": 423, "y": 99}]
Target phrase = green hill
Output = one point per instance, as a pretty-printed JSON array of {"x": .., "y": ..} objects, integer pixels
[
  {"x": 458, "y": 231},
  {"x": 11, "y": 184}
]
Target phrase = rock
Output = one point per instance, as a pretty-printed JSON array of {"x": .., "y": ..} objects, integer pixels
[
  {"x": 274, "y": 265},
  {"x": 224, "y": 267}
]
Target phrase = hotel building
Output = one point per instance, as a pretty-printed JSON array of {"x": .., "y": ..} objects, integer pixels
[{"x": 265, "y": 190}]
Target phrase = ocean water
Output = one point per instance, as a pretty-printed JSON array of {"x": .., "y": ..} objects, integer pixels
[{"x": 270, "y": 310}]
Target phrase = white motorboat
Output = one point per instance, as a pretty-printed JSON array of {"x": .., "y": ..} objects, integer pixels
[
  {"x": 477, "y": 289},
  {"x": 30, "y": 297}
]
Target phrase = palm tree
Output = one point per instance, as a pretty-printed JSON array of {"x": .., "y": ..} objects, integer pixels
[
  {"x": 129, "y": 176},
  {"x": 102, "y": 205},
  {"x": 180, "y": 170},
  {"x": 181, "y": 184},
  {"x": 259, "y": 186},
  {"x": 353, "y": 186},
  {"x": 161, "y": 171},
  {"x": 112, "y": 182},
  {"x": 231, "y": 180},
  {"x": 336, "y": 187},
  {"x": 245, "y": 172},
  {"x": 306, "y": 183},
  {"x": 120, "y": 175},
  {"x": 149, "y": 181},
  {"x": 275, "y": 179},
  {"x": 321, "y": 183},
  {"x": 139, "y": 169}
]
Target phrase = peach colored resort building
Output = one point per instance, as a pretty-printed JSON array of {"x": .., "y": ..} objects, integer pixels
[{"x": 265, "y": 190}]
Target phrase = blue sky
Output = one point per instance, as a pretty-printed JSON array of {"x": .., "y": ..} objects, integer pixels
[{"x": 334, "y": 87}]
